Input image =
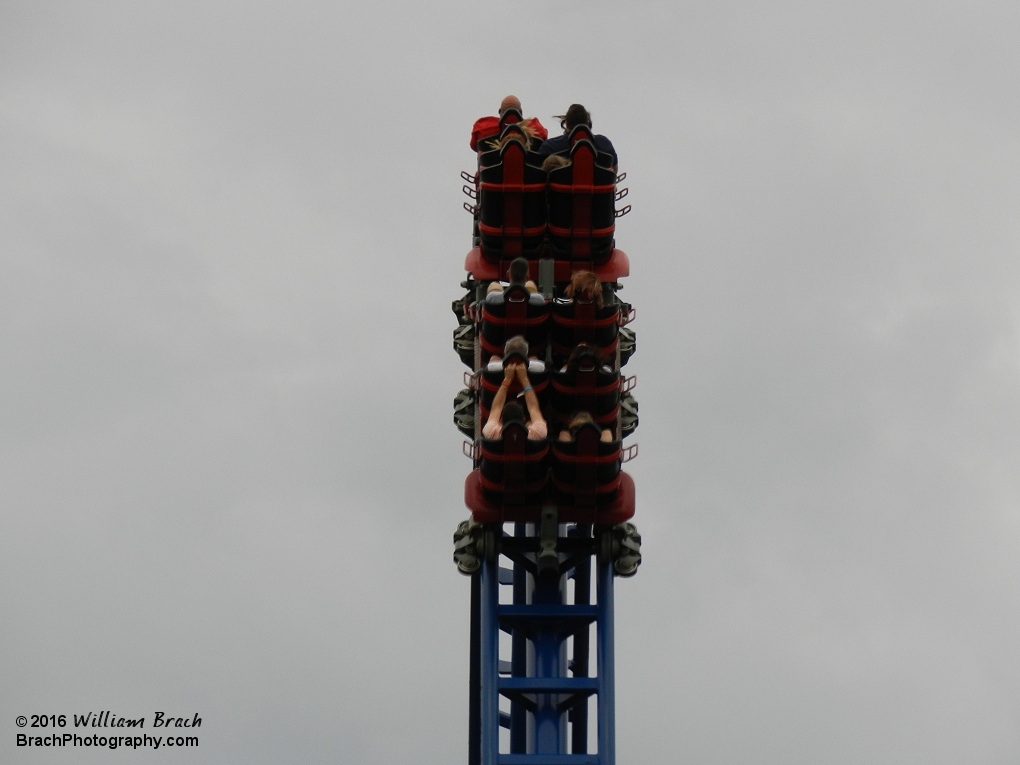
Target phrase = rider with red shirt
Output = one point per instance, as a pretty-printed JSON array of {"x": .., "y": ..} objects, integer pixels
[{"x": 487, "y": 127}]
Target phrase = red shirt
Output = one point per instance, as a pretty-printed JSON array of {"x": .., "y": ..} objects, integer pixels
[{"x": 487, "y": 127}]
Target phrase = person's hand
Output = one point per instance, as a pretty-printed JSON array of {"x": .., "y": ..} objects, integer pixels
[
  {"x": 509, "y": 372},
  {"x": 522, "y": 374}
]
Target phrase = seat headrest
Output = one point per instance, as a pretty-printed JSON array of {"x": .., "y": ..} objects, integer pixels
[
  {"x": 509, "y": 117},
  {"x": 583, "y": 145},
  {"x": 512, "y": 129},
  {"x": 579, "y": 133},
  {"x": 588, "y": 426},
  {"x": 514, "y": 356},
  {"x": 516, "y": 432},
  {"x": 586, "y": 358},
  {"x": 516, "y": 293},
  {"x": 520, "y": 145}
]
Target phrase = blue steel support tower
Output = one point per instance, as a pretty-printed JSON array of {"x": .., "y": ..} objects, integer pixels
[
  {"x": 547, "y": 517},
  {"x": 546, "y": 609},
  {"x": 548, "y": 693}
]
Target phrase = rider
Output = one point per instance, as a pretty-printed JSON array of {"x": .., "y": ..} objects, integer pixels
[
  {"x": 503, "y": 412},
  {"x": 486, "y": 127},
  {"x": 576, "y": 115}
]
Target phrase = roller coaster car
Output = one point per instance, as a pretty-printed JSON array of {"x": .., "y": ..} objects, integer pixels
[
  {"x": 519, "y": 204},
  {"x": 584, "y": 322},
  {"x": 512, "y": 206},
  {"x": 511, "y": 482},
  {"x": 514, "y": 314}
]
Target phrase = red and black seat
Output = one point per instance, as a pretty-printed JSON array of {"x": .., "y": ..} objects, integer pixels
[
  {"x": 488, "y": 156},
  {"x": 510, "y": 116},
  {"x": 514, "y": 470},
  {"x": 586, "y": 385},
  {"x": 582, "y": 207},
  {"x": 586, "y": 470},
  {"x": 512, "y": 205},
  {"x": 583, "y": 322},
  {"x": 583, "y": 133},
  {"x": 514, "y": 315},
  {"x": 490, "y": 381}
]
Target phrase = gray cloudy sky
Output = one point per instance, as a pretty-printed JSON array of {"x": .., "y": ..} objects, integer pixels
[{"x": 230, "y": 236}]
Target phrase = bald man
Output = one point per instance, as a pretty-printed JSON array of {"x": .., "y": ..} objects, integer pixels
[
  {"x": 510, "y": 102},
  {"x": 487, "y": 127}
]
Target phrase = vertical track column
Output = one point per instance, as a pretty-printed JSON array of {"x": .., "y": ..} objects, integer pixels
[
  {"x": 519, "y": 654},
  {"x": 606, "y": 661},
  {"x": 582, "y": 597},
  {"x": 550, "y": 722},
  {"x": 474, "y": 674},
  {"x": 488, "y": 680}
]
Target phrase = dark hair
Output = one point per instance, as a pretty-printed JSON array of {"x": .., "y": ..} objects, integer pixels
[
  {"x": 585, "y": 285},
  {"x": 577, "y": 421},
  {"x": 512, "y": 412},
  {"x": 576, "y": 115},
  {"x": 581, "y": 351},
  {"x": 518, "y": 271}
]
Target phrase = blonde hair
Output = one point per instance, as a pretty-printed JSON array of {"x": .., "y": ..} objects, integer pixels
[
  {"x": 525, "y": 140},
  {"x": 579, "y": 419},
  {"x": 555, "y": 162}
]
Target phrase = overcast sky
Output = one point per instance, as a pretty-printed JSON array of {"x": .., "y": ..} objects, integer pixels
[{"x": 230, "y": 233}]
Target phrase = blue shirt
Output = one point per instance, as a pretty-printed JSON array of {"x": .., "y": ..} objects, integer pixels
[{"x": 561, "y": 144}]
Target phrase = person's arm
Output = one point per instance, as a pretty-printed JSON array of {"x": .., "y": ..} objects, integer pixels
[
  {"x": 496, "y": 412},
  {"x": 534, "y": 410}
]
